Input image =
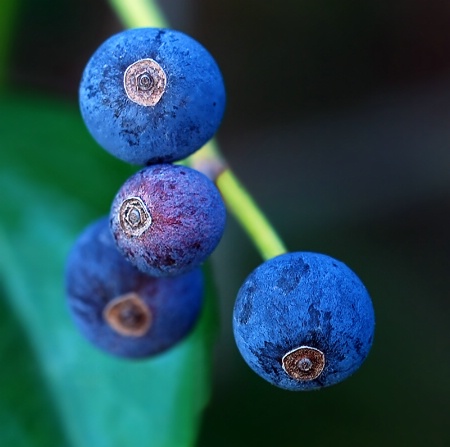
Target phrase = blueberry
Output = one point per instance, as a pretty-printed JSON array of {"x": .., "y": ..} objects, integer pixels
[
  {"x": 167, "y": 219},
  {"x": 151, "y": 95},
  {"x": 303, "y": 321},
  {"x": 121, "y": 310}
]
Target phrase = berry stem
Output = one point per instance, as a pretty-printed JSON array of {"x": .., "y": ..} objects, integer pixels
[
  {"x": 139, "y": 13},
  {"x": 239, "y": 202},
  {"x": 247, "y": 213},
  {"x": 209, "y": 160}
]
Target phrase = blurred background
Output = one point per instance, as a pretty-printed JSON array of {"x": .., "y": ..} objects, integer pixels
[{"x": 338, "y": 122}]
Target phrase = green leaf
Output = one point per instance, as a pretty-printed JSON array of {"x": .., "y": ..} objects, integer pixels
[
  {"x": 54, "y": 181},
  {"x": 27, "y": 417}
]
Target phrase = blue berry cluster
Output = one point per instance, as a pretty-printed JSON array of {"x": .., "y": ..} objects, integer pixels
[
  {"x": 301, "y": 320},
  {"x": 134, "y": 284}
]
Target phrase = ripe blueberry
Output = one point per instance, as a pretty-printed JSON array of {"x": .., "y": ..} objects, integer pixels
[
  {"x": 151, "y": 95},
  {"x": 120, "y": 309},
  {"x": 167, "y": 219},
  {"x": 303, "y": 321}
]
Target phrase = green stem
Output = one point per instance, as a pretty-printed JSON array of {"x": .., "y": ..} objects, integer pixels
[
  {"x": 145, "y": 13},
  {"x": 239, "y": 202},
  {"x": 247, "y": 213},
  {"x": 139, "y": 13}
]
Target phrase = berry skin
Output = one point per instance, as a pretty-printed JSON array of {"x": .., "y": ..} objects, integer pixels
[
  {"x": 151, "y": 95},
  {"x": 121, "y": 310},
  {"x": 303, "y": 321},
  {"x": 167, "y": 219}
]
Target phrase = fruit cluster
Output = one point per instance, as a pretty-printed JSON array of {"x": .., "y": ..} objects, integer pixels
[
  {"x": 301, "y": 320},
  {"x": 150, "y": 97}
]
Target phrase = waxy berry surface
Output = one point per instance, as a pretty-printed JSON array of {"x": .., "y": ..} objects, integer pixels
[
  {"x": 97, "y": 274},
  {"x": 185, "y": 117},
  {"x": 303, "y": 300},
  {"x": 167, "y": 219}
]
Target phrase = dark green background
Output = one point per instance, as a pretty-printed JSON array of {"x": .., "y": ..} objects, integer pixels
[{"x": 338, "y": 121}]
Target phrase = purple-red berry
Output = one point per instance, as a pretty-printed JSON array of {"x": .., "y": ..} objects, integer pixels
[{"x": 167, "y": 219}]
